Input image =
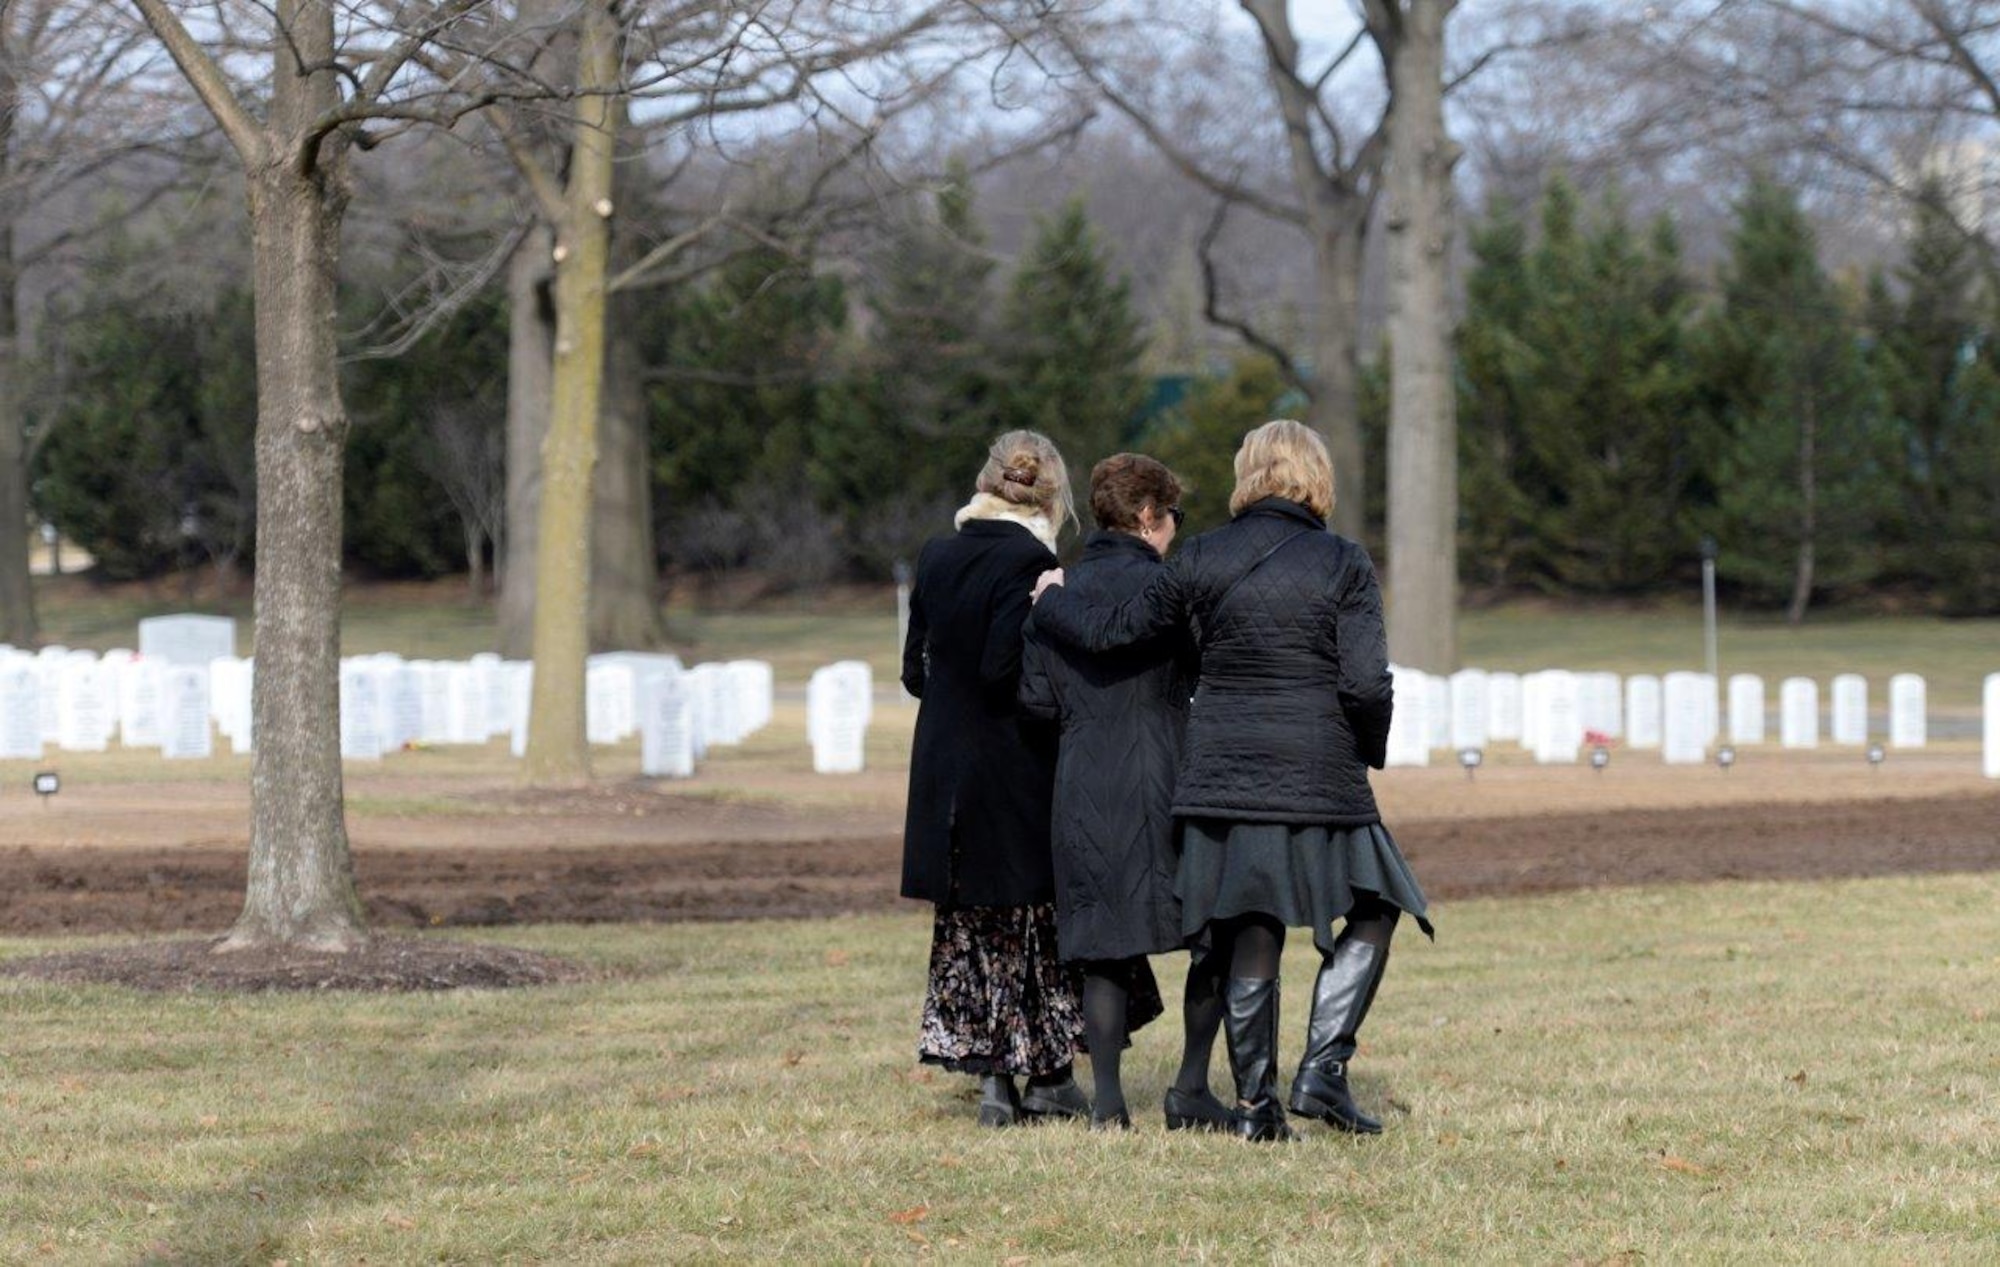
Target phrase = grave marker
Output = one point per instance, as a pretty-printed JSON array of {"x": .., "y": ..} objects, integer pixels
[
  {"x": 184, "y": 729},
  {"x": 1643, "y": 705},
  {"x": 187, "y": 639},
  {"x": 1686, "y": 699},
  {"x": 1850, "y": 709},
  {"x": 1908, "y": 724},
  {"x": 1503, "y": 706},
  {"x": 20, "y": 709},
  {"x": 1798, "y": 713},
  {"x": 1746, "y": 709},
  {"x": 666, "y": 726},
  {"x": 1469, "y": 695}
]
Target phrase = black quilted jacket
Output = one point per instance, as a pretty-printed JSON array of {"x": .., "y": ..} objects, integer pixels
[
  {"x": 1122, "y": 714},
  {"x": 1295, "y": 695}
]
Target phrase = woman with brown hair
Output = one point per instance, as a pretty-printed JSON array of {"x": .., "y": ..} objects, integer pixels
[
  {"x": 1278, "y": 824},
  {"x": 999, "y": 1004},
  {"x": 1122, "y": 714}
]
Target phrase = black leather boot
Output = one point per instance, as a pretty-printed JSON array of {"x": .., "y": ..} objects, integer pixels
[
  {"x": 999, "y": 1102},
  {"x": 1196, "y": 1111},
  {"x": 1348, "y": 979},
  {"x": 1250, "y": 1015}
]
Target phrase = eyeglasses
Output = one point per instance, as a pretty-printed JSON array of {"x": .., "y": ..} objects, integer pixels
[{"x": 1178, "y": 514}]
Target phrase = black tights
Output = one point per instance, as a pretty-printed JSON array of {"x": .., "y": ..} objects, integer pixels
[
  {"x": 1372, "y": 920},
  {"x": 1107, "y": 1000}
]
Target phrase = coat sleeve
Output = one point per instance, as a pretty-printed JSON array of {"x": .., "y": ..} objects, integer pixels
[
  {"x": 1039, "y": 696},
  {"x": 1367, "y": 691},
  {"x": 1160, "y": 608},
  {"x": 916, "y": 642},
  {"x": 1000, "y": 659}
]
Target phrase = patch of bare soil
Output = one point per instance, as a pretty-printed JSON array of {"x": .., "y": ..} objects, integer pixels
[{"x": 384, "y": 965}]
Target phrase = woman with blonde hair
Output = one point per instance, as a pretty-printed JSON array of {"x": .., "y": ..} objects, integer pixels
[
  {"x": 1278, "y": 824},
  {"x": 1000, "y": 1003}
]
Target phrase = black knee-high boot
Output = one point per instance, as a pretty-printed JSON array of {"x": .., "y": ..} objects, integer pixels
[
  {"x": 1348, "y": 979},
  {"x": 1250, "y": 1014}
]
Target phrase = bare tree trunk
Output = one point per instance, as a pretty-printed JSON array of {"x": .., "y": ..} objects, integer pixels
[
  {"x": 17, "y": 594},
  {"x": 624, "y": 585},
  {"x": 557, "y": 750},
  {"x": 530, "y": 363},
  {"x": 301, "y": 888},
  {"x": 1423, "y": 416},
  {"x": 1335, "y": 411},
  {"x": 475, "y": 562},
  {"x": 1802, "y": 581}
]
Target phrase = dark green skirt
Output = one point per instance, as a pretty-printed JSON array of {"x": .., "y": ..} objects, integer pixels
[{"x": 1307, "y": 877}]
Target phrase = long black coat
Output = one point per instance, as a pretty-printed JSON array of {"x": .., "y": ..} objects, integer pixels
[
  {"x": 1295, "y": 694},
  {"x": 1122, "y": 715},
  {"x": 981, "y": 771}
]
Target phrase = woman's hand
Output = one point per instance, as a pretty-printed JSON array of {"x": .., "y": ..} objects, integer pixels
[{"x": 1054, "y": 576}]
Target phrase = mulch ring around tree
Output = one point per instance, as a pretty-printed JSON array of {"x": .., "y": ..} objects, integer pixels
[{"x": 385, "y": 965}]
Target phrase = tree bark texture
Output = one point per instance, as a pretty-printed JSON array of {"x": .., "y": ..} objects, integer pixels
[
  {"x": 301, "y": 887},
  {"x": 530, "y": 365},
  {"x": 557, "y": 751},
  {"x": 1802, "y": 579},
  {"x": 17, "y": 594},
  {"x": 624, "y": 583},
  {"x": 1335, "y": 409},
  {"x": 1422, "y": 585}
]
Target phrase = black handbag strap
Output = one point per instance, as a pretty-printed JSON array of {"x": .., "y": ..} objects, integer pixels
[{"x": 1215, "y": 612}]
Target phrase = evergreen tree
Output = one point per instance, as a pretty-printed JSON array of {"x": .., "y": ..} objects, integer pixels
[
  {"x": 1495, "y": 365},
  {"x": 1790, "y": 396},
  {"x": 1938, "y": 363},
  {"x": 1071, "y": 345}
]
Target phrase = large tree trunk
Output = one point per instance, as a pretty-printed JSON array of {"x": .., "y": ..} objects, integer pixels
[
  {"x": 530, "y": 363},
  {"x": 17, "y": 595},
  {"x": 1335, "y": 411},
  {"x": 1423, "y": 432},
  {"x": 557, "y": 751},
  {"x": 624, "y": 585},
  {"x": 301, "y": 889}
]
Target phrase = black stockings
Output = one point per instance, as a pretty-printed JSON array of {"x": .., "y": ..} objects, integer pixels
[
  {"x": 1107, "y": 998},
  {"x": 1372, "y": 920},
  {"x": 1248, "y": 946}
]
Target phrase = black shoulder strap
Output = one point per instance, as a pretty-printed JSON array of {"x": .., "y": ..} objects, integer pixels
[{"x": 1215, "y": 612}]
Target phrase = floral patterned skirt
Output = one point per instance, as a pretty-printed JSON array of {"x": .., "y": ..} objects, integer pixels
[{"x": 1000, "y": 1000}]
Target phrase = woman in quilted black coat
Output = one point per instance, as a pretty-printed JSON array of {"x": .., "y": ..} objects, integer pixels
[
  {"x": 1121, "y": 714},
  {"x": 1000, "y": 1003},
  {"x": 1278, "y": 824}
]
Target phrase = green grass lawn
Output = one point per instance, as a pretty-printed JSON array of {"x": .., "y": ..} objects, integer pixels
[{"x": 1748, "y": 1072}]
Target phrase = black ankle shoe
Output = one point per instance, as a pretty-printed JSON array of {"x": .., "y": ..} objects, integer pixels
[
  {"x": 1197, "y": 1111},
  {"x": 999, "y": 1103},
  {"x": 1059, "y": 1099},
  {"x": 1119, "y": 1121},
  {"x": 1263, "y": 1123},
  {"x": 1320, "y": 1092}
]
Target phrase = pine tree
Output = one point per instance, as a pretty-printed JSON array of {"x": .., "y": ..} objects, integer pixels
[
  {"x": 1070, "y": 344},
  {"x": 1790, "y": 396}
]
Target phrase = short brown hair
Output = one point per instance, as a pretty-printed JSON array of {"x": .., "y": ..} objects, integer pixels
[
  {"x": 1284, "y": 459},
  {"x": 1124, "y": 484}
]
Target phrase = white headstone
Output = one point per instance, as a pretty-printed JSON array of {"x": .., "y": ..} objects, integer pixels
[
  {"x": 1711, "y": 709},
  {"x": 1558, "y": 719},
  {"x": 139, "y": 690},
  {"x": 403, "y": 701},
  {"x": 184, "y": 730},
  {"x": 754, "y": 692},
  {"x": 1503, "y": 706},
  {"x": 1409, "y": 720},
  {"x": 499, "y": 718},
  {"x": 1992, "y": 736},
  {"x": 1798, "y": 713},
  {"x": 361, "y": 737},
  {"x": 1908, "y": 724},
  {"x": 1600, "y": 702},
  {"x": 1469, "y": 697},
  {"x": 1746, "y": 709},
  {"x": 1438, "y": 710},
  {"x": 839, "y": 701},
  {"x": 719, "y": 723},
  {"x": 230, "y": 697},
  {"x": 83, "y": 706},
  {"x": 1850, "y": 709},
  {"x": 20, "y": 709},
  {"x": 666, "y": 726},
  {"x": 465, "y": 696},
  {"x": 433, "y": 701},
  {"x": 1643, "y": 706},
  {"x": 48, "y": 666},
  {"x": 1685, "y": 701},
  {"x": 195, "y": 640},
  {"x": 517, "y": 683},
  {"x": 607, "y": 702}
]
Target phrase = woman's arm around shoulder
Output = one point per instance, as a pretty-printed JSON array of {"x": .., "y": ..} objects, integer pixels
[{"x": 1160, "y": 608}]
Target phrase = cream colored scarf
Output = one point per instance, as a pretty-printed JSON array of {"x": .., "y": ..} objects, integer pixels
[{"x": 987, "y": 506}]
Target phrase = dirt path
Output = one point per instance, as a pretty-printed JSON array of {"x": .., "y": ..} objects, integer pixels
[{"x": 601, "y": 859}]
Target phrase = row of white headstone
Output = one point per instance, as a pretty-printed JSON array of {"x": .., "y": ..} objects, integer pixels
[
  {"x": 1682, "y": 715},
  {"x": 80, "y": 702}
]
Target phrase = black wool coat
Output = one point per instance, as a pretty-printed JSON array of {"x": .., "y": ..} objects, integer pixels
[
  {"x": 982, "y": 772},
  {"x": 1295, "y": 694},
  {"x": 1122, "y": 715}
]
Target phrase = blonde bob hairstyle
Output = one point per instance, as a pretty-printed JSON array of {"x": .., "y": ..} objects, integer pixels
[
  {"x": 1283, "y": 459},
  {"x": 1025, "y": 470}
]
